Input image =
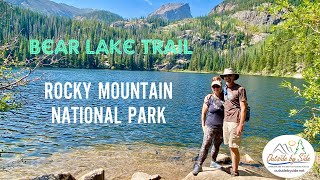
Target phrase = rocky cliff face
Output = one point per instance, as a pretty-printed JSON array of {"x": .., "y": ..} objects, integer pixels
[
  {"x": 172, "y": 12},
  {"x": 221, "y": 8},
  {"x": 250, "y": 15},
  {"x": 255, "y": 17}
]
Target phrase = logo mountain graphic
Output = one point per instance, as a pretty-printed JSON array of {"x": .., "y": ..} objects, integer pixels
[{"x": 283, "y": 149}]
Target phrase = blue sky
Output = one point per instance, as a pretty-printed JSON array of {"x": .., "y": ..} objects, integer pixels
[{"x": 138, "y": 8}]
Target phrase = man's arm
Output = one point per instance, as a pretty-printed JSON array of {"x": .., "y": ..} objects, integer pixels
[{"x": 243, "y": 112}]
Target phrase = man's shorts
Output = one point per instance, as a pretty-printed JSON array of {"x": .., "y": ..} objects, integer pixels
[{"x": 229, "y": 134}]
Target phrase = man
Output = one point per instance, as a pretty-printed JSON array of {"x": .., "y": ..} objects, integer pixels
[{"x": 235, "y": 108}]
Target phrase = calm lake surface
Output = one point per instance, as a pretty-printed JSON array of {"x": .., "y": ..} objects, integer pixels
[{"x": 29, "y": 132}]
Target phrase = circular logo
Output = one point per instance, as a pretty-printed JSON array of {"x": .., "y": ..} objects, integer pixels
[{"x": 288, "y": 156}]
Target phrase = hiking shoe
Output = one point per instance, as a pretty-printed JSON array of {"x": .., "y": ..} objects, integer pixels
[
  {"x": 196, "y": 169},
  {"x": 233, "y": 174},
  {"x": 215, "y": 165}
]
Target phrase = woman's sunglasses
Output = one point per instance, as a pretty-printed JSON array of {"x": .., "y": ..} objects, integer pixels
[{"x": 215, "y": 86}]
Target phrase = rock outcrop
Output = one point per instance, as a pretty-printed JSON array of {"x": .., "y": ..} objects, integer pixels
[
  {"x": 97, "y": 174},
  {"x": 144, "y": 176},
  {"x": 133, "y": 24},
  {"x": 258, "y": 37},
  {"x": 222, "y": 8},
  {"x": 172, "y": 12},
  {"x": 223, "y": 158},
  {"x": 64, "y": 176},
  {"x": 218, "y": 40},
  {"x": 255, "y": 17}
]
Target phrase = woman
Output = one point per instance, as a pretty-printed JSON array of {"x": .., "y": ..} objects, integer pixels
[{"x": 211, "y": 125}]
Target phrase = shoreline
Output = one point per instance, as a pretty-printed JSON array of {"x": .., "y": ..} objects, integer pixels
[
  {"x": 119, "y": 162},
  {"x": 294, "y": 76},
  {"x": 122, "y": 161}
]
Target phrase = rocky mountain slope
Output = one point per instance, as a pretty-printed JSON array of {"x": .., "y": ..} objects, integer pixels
[
  {"x": 48, "y": 7},
  {"x": 100, "y": 15},
  {"x": 172, "y": 12}
]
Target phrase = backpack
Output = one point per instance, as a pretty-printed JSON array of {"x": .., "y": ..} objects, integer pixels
[
  {"x": 248, "y": 107},
  {"x": 248, "y": 113}
]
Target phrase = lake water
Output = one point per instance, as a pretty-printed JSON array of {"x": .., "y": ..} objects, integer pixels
[{"x": 28, "y": 132}]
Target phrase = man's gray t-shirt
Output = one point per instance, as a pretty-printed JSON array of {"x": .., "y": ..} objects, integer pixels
[{"x": 232, "y": 99}]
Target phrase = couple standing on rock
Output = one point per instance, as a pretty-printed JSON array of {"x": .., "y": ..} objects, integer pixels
[{"x": 223, "y": 117}]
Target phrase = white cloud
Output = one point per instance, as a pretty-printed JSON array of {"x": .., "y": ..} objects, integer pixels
[{"x": 149, "y": 2}]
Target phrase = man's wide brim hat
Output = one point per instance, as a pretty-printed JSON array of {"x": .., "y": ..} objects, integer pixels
[{"x": 229, "y": 71}]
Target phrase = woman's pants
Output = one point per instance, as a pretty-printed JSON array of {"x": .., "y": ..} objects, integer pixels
[{"x": 212, "y": 135}]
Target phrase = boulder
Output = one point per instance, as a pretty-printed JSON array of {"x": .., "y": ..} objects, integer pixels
[
  {"x": 144, "y": 176},
  {"x": 223, "y": 158},
  {"x": 97, "y": 174},
  {"x": 257, "y": 38},
  {"x": 46, "y": 177},
  {"x": 247, "y": 159},
  {"x": 63, "y": 176}
]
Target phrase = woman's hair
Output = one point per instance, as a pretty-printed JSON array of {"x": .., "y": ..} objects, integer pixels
[{"x": 216, "y": 78}]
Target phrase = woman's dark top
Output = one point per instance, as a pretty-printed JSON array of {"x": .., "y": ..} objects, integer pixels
[{"x": 215, "y": 111}]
